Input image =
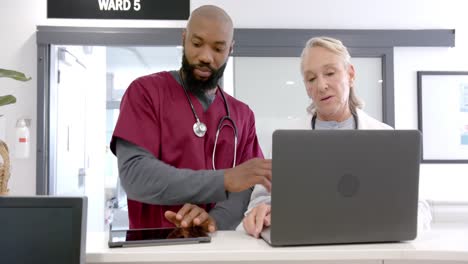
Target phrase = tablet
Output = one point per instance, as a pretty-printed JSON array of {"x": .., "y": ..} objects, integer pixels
[{"x": 157, "y": 236}]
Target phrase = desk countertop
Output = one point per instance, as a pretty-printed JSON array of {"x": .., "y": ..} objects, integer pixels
[{"x": 442, "y": 243}]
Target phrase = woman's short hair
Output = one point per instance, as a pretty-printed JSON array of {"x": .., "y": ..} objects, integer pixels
[{"x": 337, "y": 47}]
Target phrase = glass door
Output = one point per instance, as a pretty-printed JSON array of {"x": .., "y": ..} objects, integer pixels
[
  {"x": 77, "y": 137},
  {"x": 86, "y": 86}
]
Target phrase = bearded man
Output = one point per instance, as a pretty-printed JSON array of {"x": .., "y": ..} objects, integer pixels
[{"x": 187, "y": 152}]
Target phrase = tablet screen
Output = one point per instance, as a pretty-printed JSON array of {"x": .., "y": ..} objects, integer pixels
[{"x": 157, "y": 236}]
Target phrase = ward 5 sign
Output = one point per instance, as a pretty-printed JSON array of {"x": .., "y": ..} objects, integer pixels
[
  {"x": 119, "y": 9},
  {"x": 119, "y": 5}
]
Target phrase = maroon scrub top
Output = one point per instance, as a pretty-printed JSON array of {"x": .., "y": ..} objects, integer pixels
[{"x": 156, "y": 115}]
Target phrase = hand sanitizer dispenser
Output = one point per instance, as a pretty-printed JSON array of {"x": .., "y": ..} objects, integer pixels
[{"x": 22, "y": 139}]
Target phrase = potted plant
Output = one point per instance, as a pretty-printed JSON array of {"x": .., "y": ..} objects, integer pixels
[{"x": 5, "y": 100}]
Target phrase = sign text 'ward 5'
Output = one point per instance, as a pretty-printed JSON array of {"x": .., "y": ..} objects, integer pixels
[{"x": 119, "y": 9}]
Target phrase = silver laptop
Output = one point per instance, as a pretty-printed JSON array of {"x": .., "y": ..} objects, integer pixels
[{"x": 344, "y": 186}]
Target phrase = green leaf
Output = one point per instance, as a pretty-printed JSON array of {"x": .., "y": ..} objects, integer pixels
[
  {"x": 7, "y": 99},
  {"x": 14, "y": 75}
]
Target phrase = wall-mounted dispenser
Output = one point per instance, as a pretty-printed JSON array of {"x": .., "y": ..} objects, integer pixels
[{"x": 22, "y": 138}]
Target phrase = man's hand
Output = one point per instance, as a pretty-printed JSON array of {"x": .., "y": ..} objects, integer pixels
[
  {"x": 191, "y": 215},
  {"x": 259, "y": 217},
  {"x": 247, "y": 174}
]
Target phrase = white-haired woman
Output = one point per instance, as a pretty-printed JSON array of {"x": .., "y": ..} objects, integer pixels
[{"x": 329, "y": 80}]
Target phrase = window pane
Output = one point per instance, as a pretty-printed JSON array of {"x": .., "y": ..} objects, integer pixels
[
  {"x": 273, "y": 88},
  {"x": 369, "y": 84}
]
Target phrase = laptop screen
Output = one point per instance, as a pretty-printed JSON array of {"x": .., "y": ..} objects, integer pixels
[
  {"x": 48, "y": 229},
  {"x": 350, "y": 186}
]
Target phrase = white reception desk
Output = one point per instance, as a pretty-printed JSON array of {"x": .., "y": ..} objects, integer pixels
[{"x": 446, "y": 244}]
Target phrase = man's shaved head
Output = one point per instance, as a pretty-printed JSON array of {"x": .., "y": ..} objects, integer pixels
[{"x": 214, "y": 15}]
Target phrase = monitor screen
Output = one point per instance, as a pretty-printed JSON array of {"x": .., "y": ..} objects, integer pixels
[{"x": 45, "y": 229}]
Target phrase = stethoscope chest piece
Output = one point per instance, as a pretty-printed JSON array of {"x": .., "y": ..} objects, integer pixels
[{"x": 199, "y": 129}]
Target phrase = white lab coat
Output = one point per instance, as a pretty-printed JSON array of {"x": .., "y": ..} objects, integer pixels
[{"x": 261, "y": 195}]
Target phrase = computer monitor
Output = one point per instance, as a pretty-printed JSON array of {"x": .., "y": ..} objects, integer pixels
[{"x": 43, "y": 229}]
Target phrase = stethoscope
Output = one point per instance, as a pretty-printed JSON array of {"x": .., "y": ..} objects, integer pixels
[
  {"x": 314, "y": 117},
  {"x": 199, "y": 128}
]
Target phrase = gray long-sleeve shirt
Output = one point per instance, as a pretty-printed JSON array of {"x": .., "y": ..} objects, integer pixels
[{"x": 149, "y": 180}]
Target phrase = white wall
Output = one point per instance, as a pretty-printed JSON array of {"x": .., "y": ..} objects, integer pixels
[
  {"x": 18, "y": 21},
  {"x": 19, "y": 18},
  {"x": 438, "y": 181}
]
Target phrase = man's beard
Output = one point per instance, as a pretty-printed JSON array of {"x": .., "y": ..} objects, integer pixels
[{"x": 199, "y": 87}]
